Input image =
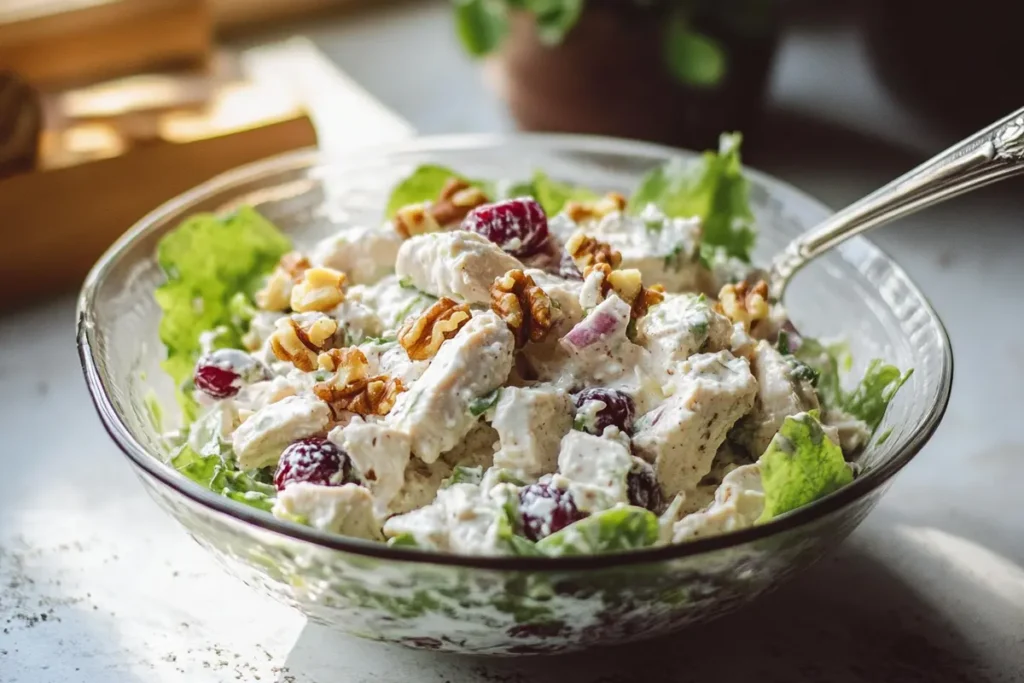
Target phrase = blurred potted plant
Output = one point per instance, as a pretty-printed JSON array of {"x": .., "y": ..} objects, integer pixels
[{"x": 676, "y": 71}]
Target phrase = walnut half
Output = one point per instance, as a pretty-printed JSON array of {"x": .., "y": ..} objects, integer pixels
[
  {"x": 456, "y": 200},
  {"x": 321, "y": 289},
  {"x": 587, "y": 251},
  {"x": 277, "y": 292},
  {"x": 593, "y": 210},
  {"x": 744, "y": 303},
  {"x": 350, "y": 390},
  {"x": 628, "y": 285},
  {"x": 525, "y": 307},
  {"x": 421, "y": 337},
  {"x": 300, "y": 343}
]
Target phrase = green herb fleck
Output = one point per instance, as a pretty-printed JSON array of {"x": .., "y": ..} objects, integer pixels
[{"x": 479, "y": 406}]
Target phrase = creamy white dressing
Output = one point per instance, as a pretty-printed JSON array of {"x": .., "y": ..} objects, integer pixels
[{"x": 497, "y": 418}]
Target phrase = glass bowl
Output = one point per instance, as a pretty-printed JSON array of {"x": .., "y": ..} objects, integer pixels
[{"x": 489, "y": 605}]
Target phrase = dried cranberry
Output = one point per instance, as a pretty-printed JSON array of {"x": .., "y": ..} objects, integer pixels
[
  {"x": 315, "y": 461},
  {"x": 518, "y": 226},
  {"x": 618, "y": 410},
  {"x": 642, "y": 487},
  {"x": 222, "y": 373},
  {"x": 545, "y": 509}
]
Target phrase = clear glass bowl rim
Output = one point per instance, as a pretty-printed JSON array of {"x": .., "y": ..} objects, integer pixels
[{"x": 311, "y": 158}]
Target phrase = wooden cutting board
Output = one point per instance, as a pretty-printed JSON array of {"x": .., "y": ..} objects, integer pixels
[
  {"x": 60, "y": 42},
  {"x": 55, "y": 223}
]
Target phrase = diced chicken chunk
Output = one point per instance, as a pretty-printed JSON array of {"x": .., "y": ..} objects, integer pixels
[
  {"x": 476, "y": 450},
  {"x": 422, "y": 480},
  {"x": 364, "y": 254},
  {"x": 565, "y": 301},
  {"x": 346, "y": 509},
  {"x": 261, "y": 439},
  {"x": 679, "y": 327},
  {"x": 597, "y": 468},
  {"x": 779, "y": 395},
  {"x": 599, "y": 350},
  {"x": 738, "y": 504},
  {"x": 458, "y": 264},
  {"x": 435, "y": 412},
  {"x": 357, "y": 321},
  {"x": 531, "y": 423},
  {"x": 380, "y": 454},
  {"x": 393, "y": 301},
  {"x": 710, "y": 393},
  {"x": 661, "y": 248},
  {"x": 462, "y": 519}
]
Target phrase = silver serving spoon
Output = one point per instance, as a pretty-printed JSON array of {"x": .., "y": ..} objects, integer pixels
[{"x": 988, "y": 156}]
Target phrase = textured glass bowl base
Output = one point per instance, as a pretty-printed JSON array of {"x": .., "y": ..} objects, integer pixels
[{"x": 503, "y": 606}]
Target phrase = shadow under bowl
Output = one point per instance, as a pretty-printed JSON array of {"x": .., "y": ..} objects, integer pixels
[{"x": 504, "y": 605}]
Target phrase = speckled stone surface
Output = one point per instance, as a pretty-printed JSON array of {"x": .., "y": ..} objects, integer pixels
[{"x": 96, "y": 584}]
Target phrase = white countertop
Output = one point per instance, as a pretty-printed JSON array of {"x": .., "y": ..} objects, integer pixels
[{"x": 96, "y": 584}]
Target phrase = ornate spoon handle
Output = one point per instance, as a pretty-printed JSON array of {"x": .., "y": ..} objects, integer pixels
[{"x": 988, "y": 156}]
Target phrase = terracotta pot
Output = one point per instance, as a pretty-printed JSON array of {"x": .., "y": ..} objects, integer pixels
[{"x": 609, "y": 77}]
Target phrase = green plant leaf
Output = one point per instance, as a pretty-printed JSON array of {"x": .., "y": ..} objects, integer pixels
[
  {"x": 211, "y": 263},
  {"x": 481, "y": 25},
  {"x": 422, "y": 185},
  {"x": 693, "y": 58},
  {"x": 553, "y": 195},
  {"x": 614, "y": 530},
  {"x": 220, "y": 477},
  {"x": 403, "y": 541},
  {"x": 712, "y": 189},
  {"x": 871, "y": 397},
  {"x": 869, "y": 400},
  {"x": 800, "y": 465},
  {"x": 554, "y": 18}
]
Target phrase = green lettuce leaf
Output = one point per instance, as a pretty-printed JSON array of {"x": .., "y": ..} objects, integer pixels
[
  {"x": 508, "y": 523},
  {"x": 404, "y": 541},
  {"x": 209, "y": 261},
  {"x": 615, "y": 530},
  {"x": 220, "y": 477},
  {"x": 553, "y": 195},
  {"x": 423, "y": 185},
  {"x": 869, "y": 400},
  {"x": 713, "y": 189},
  {"x": 871, "y": 397},
  {"x": 800, "y": 465}
]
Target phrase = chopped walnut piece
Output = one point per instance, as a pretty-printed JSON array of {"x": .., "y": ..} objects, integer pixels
[
  {"x": 300, "y": 343},
  {"x": 456, "y": 200},
  {"x": 593, "y": 210},
  {"x": 525, "y": 307},
  {"x": 415, "y": 219},
  {"x": 351, "y": 359},
  {"x": 421, "y": 337},
  {"x": 277, "y": 292},
  {"x": 586, "y": 251},
  {"x": 628, "y": 285},
  {"x": 364, "y": 396},
  {"x": 321, "y": 289},
  {"x": 744, "y": 303}
]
